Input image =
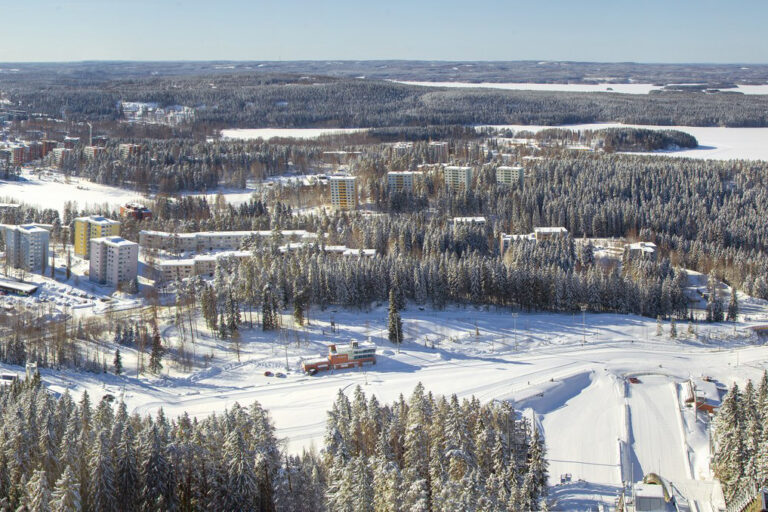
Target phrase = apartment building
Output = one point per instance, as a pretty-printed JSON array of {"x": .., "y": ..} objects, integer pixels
[
  {"x": 203, "y": 265},
  {"x": 343, "y": 192},
  {"x": 127, "y": 150},
  {"x": 87, "y": 228},
  {"x": 210, "y": 240},
  {"x": 62, "y": 155},
  {"x": 549, "y": 233},
  {"x": 114, "y": 260},
  {"x": 402, "y": 181},
  {"x": 506, "y": 175},
  {"x": 459, "y": 178},
  {"x": 438, "y": 152},
  {"x": 26, "y": 247},
  {"x": 92, "y": 152}
]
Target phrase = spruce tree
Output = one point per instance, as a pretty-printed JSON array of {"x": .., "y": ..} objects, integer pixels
[
  {"x": 66, "y": 496},
  {"x": 157, "y": 353},
  {"x": 733, "y": 307},
  {"x": 672, "y": 329},
  {"x": 395, "y": 324},
  {"x": 117, "y": 363}
]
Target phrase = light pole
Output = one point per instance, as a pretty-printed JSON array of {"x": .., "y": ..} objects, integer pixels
[
  {"x": 583, "y": 324},
  {"x": 514, "y": 316}
]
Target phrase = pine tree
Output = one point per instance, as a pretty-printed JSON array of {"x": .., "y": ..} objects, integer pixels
[
  {"x": 659, "y": 328},
  {"x": 395, "y": 324},
  {"x": 672, "y": 329},
  {"x": 66, "y": 496},
  {"x": 117, "y": 363},
  {"x": 729, "y": 459}
]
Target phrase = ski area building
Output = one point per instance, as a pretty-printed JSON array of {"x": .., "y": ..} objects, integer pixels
[{"x": 343, "y": 356}]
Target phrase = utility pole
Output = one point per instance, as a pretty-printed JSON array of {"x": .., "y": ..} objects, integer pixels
[{"x": 583, "y": 324}]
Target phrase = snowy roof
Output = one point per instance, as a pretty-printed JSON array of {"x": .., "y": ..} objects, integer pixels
[
  {"x": 648, "y": 247},
  {"x": 457, "y": 167},
  {"x": 32, "y": 228},
  {"x": 402, "y": 173},
  {"x": 510, "y": 168},
  {"x": 469, "y": 220},
  {"x": 550, "y": 230},
  {"x": 115, "y": 241},
  {"x": 98, "y": 219}
]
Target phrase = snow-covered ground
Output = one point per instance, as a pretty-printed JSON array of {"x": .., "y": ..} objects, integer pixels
[
  {"x": 49, "y": 190},
  {"x": 285, "y": 133},
  {"x": 634, "y": 88},
  {"x": 715, "y": 143},
  {"x": 598, "y": 428}
]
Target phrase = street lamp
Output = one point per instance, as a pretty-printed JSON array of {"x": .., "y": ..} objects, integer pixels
[
  {"x": 514, "y": 316},
  {"x": 583, "y": 324}
]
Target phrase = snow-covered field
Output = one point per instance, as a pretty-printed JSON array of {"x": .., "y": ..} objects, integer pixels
[
  {"x": 285, "y": 133},
  {"x": 599, "y": 429},
  {"x": 633, "y": 88},
  {"x": 714, "y": 142},
  {"x": 49, "y": 190}
]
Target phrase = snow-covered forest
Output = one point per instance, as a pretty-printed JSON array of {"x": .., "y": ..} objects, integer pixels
[
  {"x": 423, "y": 453},
  {"x": 741, "y": 438}
]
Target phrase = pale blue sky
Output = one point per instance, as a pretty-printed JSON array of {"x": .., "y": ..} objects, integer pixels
[{"x": 585, "y": 30}]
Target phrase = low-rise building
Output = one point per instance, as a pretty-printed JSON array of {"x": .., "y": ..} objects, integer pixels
[
  {"x": 505, "y": 240},
  {"x": 459, "y": 178},
  {"x": 472, "y": 221},
  {"x": 135, "y": 210},
  {"x": 26, "y": 247},
  {"x": 114, "y": 260},
  {"x": 211, "y": 240},
  {"x": 641, "y": 250}
]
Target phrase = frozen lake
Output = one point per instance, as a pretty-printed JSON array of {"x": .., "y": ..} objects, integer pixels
[
  {"x": 715, "y": 143},
  {"x": 615, "y": 88}
]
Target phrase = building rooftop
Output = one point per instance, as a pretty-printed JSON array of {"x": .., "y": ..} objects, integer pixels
[
  {"x": 115, "y": 241},
  {"x": 550, "y": 230},
  {"x": 98, "y": 219}
]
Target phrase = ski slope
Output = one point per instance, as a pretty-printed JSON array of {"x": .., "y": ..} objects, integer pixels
[{"x": 656, "y": 429}]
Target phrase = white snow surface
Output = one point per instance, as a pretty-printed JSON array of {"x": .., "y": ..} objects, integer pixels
[
  {"x": 49, "y": 190},
  {"x": 598, "y": 428},
  {"x": 715, "y": 143}
]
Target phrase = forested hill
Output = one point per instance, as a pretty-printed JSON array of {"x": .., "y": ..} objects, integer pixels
[{"x": 291, "y": 101}]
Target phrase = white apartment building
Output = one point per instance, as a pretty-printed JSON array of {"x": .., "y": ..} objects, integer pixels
[
  {"x": 203, "y": 265},
  {"x": 401, "y": 181},
  {"x": 114, "y": 260},
  {"x": 26, "y": 247},
  {"x": 343, "y": 192},
  {"x": 549, "y": 233},
  {"x": 506, "y": 175},
  {"x": 210, "y": 240},
  {"x": 458, "y": 177}
]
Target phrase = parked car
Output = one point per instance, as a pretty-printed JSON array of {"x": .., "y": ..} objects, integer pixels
[
  {"x": 280, "y": 375},
  {"x": 267, "y": 373}
]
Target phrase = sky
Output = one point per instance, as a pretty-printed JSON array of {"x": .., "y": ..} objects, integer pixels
[{"x": 577, "y": 30}]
